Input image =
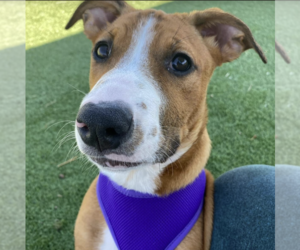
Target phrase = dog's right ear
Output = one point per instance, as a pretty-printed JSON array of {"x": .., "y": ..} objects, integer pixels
[
  {"x": 226, "y": 36},
  {"x": 96, "y": 15}
]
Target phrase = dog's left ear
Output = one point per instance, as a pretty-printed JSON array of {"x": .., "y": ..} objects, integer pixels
[
  {"x": 225, "y": 35},
  {"x": 97, "y": 14}
]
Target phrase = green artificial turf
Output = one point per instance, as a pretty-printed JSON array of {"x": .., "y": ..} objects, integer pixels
[
  {"x": 12, "y": 125},
  {"x": 287, "y": 82},
  {"x": 240, "y": 101}
]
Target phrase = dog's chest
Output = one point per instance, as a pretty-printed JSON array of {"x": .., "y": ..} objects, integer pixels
[{"x": 144, "y": 221}]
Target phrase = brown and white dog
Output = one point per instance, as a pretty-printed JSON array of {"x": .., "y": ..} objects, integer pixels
[{"x": 150, "y": 72}]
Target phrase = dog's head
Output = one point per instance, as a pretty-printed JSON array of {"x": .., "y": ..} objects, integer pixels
[{"x": 148, "y": 81}]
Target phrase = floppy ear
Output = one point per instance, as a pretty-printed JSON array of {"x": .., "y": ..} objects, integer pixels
[
  {"x": 225, "y": 35},
  {"x": 96, "y": 15}
]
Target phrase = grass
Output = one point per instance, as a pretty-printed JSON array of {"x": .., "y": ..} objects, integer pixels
[
  {"x": 12, "y": 124},
  {"x": 12, "y": 148},
  {"x": 287, "y": 85},
  {"x": 240, "y": 100}
]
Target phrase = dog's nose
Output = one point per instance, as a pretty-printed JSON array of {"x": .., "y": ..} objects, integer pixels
[{"x": 105, "y": 125}]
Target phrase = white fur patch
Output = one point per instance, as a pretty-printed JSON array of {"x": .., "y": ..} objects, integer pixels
[
  {"x": 142, "y": 178},
  {"x": 108, "y": 241}
]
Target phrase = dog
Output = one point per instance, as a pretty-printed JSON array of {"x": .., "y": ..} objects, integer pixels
[{"x": 143, "y": 123}]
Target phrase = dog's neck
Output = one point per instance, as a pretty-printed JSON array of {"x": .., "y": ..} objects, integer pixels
[
  {"x": 163, "y": 179},
  {"x": 185, "y": 170}
]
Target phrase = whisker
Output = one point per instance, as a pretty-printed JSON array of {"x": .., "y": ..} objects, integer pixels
[
  {"x": 72, "y": 149},
  {"x": 77, "y": 89},
  {"x": 63, "y": 127},
  {"x": 58, "y": 123},
  {"x": 67, "y": 137}
]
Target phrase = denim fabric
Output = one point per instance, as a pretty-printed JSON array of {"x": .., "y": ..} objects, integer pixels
[{"x": 244, "y": 213}]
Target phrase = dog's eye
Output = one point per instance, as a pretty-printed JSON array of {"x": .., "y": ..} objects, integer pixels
[
  {"x": 181, "y": 63},
  {"x": 102, "y": 50}
]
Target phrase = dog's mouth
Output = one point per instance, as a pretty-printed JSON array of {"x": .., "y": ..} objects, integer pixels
[{"x": 113, "y": 163}]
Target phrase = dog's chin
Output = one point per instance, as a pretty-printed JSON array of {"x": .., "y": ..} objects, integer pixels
[{"x": 114, "y": 165}]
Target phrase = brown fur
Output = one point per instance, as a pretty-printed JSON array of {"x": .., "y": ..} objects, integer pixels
[
  {"x": 90, "y": 222},
  {"x": 185, "y": 117}
]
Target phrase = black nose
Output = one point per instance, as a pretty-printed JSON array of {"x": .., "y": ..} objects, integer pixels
[{"x": 104, "y": 125}]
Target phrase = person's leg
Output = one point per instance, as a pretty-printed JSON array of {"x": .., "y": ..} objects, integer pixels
[
  {"x": 244, "y": 209},
  {"x": 287, "y": 207}
]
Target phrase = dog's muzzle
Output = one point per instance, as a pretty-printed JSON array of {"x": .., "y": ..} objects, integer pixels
[{"x": 106, "y": 125}]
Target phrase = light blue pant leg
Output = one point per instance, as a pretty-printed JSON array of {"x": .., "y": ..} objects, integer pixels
[
  {"x": 287, "y": 207},
  {"x": 244, "y": 213}
]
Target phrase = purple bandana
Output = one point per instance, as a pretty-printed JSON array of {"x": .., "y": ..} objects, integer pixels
[{"x": 144, "y": 221}]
